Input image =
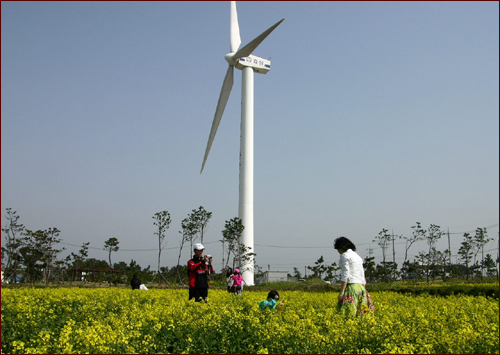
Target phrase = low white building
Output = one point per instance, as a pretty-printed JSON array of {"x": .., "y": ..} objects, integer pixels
[{"x": 272, "y": 276}]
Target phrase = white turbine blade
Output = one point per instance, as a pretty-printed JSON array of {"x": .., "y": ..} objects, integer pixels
[
  {"x": 250, "y": 47},
  {"x": 221, "y": 105},
  {"x": 234, "y": 31}
]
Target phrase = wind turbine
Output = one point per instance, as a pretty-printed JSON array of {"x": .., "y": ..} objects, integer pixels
[{"x": 242, "y": 59}]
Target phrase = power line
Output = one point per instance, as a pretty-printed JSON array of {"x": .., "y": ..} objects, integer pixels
[
  {"x": 290, "y": 247},
  {"x": 492, "y": 226},
  {"x": 271, "y": 246},
  {"x": 156, "y": 249}
]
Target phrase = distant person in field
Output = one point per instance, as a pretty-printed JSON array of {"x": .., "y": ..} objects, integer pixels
[
  {"x": 199, "y": 267},
  {"x": 354, "y": 299},
  {"x": 272, "y": 301},
  {"x": 237, "y": 282},
  {"x": 135, "y": 282},
  {"x": 229, "y": 279}
]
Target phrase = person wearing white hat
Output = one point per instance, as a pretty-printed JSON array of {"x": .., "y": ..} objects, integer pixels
[{"x": 199, "y": 267}]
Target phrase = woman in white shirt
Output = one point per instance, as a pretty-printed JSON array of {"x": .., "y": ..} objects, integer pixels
[{"x": 354, "y": 299}]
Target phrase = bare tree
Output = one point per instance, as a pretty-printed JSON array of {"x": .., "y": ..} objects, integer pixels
[
  {"x": 189, "y": 230},
  {"x": 417, "y": 235},
  {"x": 383, "y": 240},
  {"x": 46, "y": 243},
  {"x": 433, "y": 234},
  {"x": 162, "y": 221},
  {"x": 76, "y": 261},
  {"x": 200, "y": 218}
]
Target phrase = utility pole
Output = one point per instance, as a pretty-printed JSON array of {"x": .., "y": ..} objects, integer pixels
[
  {"x": 393, "y": 256},
  {"x": 449, "y": 249},
  {"x": 393, "y": 252},
  {"x": 498, "y": 254},
  {"x": 223, "y": 266},
  {"x": 482, "y": 261},
  {"x": 370, "y": 250}
]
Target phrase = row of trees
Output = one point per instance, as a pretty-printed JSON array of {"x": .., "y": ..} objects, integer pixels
[
  {"x": 31, "y": 257},
  {"x": 427, "y": 265}
]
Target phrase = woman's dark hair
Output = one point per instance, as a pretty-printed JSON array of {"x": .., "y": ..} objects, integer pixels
[
  {"x": 229, "y": 272},
  {"x": 272, "y": 294},
  {"x": 344, "y": 243}
]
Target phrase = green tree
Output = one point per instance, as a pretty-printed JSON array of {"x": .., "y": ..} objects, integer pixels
[
  {"x": 386, "y": 271},
  {"x": 93, "y": 269},
  {"x": 110, "y": 246},
  {"x": 30, "y": 257},
  {"x": 134, "y": 268},
  {"x": 123, "y": 268},
  {"x": 412, "y": 270},
  {"x": 489, "y": 265},
  {"x": 480, "y": 240},
  {"x": 438, "y": 262},
  {"x": 242, "y": 254},
  {"x": 162, "y": 221},
  {"x": 331, "y": 271},
  {"x": 465, "y": 253},
  {"x": 370, "y": 270},
  {"x": 79, "y": 259},
  {"x": 319, "y": 268},
  {"x": 296, "y": 273},
  {"x": 76, "y": 261},
  {"x": 39, "y": 253},
  {"x": 13, "y": 232}
]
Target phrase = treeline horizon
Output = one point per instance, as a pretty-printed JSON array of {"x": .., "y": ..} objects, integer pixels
[{"x": 32, "y": 256}]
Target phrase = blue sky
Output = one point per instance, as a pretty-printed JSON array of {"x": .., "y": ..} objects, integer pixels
[{"x": 374, "y": 115}]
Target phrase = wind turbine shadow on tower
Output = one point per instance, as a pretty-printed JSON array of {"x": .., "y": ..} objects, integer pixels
[{"x": 242, "y": 59}]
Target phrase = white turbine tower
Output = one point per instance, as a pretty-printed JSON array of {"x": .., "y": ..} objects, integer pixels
[{"x": 248, "y": 64}]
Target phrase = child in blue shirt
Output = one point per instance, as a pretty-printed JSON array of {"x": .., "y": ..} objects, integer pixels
[{"x": 272, "y": 301}]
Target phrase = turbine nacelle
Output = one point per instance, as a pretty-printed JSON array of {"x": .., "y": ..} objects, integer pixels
[{"x": 259, "y": 65}]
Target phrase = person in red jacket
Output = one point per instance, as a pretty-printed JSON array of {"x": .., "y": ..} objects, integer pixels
[{"x": 199, "y": 267}]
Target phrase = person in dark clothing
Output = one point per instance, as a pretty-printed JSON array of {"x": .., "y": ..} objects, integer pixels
[
  {"x": 199, "y": 267},
  {"x": 135, "y": 282},
  {"x": 229, "y": 279}
]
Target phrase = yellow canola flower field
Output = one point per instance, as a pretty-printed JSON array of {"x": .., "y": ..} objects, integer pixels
[{"x": 119, "y": 321}]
